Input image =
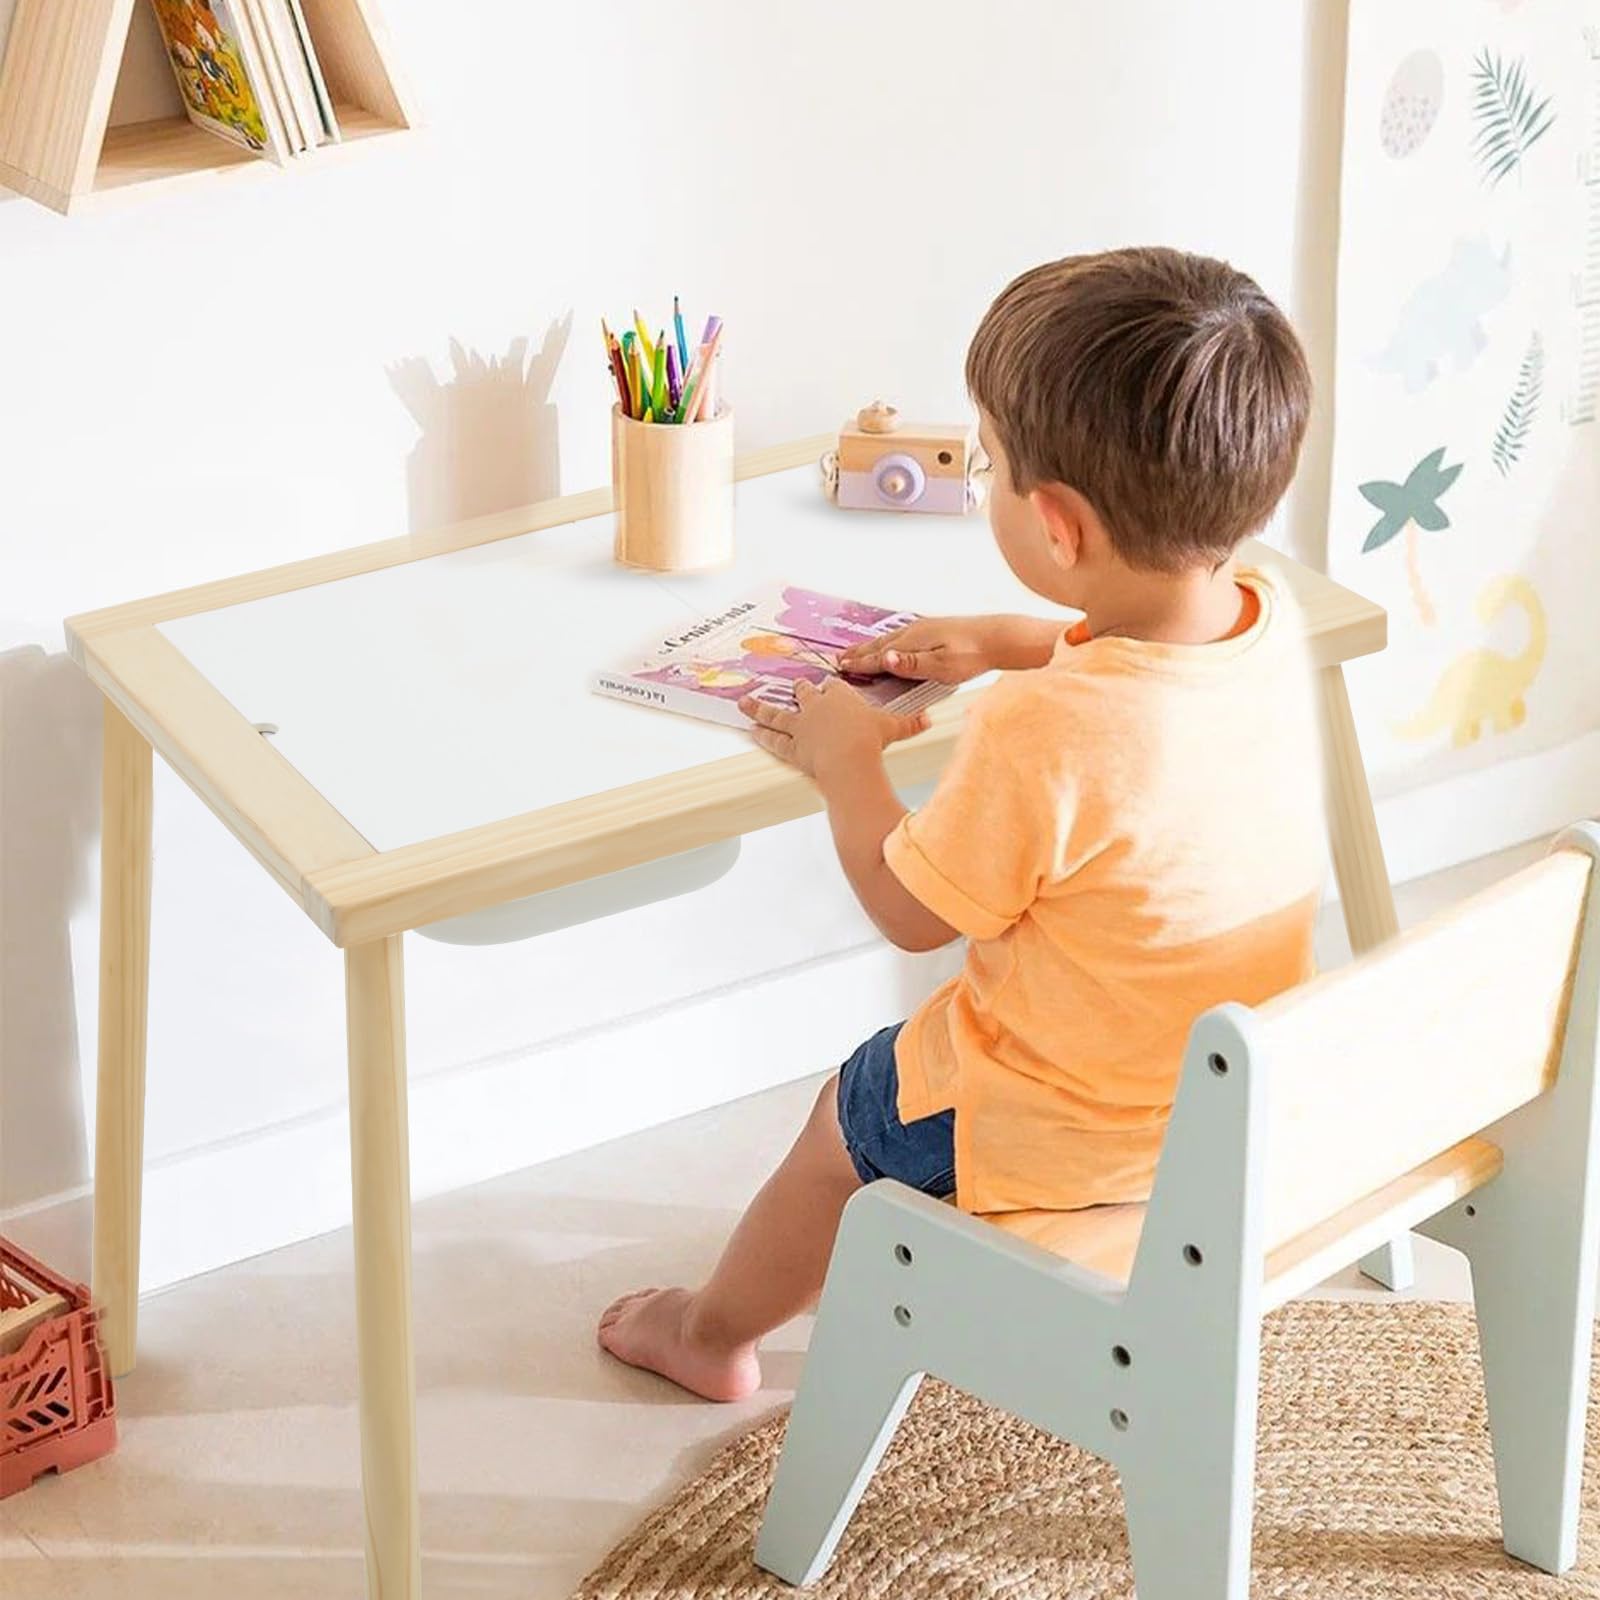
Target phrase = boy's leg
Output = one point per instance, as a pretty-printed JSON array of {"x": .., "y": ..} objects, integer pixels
[{"x": 771, "y": 1270}]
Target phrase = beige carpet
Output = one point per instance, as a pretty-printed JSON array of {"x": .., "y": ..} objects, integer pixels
[{"x": 1374, "y": 1479}]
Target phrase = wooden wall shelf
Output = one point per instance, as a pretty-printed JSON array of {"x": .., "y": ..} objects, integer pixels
[{"x": 60, "y": 70}]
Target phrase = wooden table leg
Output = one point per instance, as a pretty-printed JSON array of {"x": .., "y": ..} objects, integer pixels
[
  {"x": 380, "y": 1173},
  {"x": 1364, "y": 890},
  {"x": 125, "y": 818}
]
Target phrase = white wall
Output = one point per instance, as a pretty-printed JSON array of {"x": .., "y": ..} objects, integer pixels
[{"x": 209, "y": 380}]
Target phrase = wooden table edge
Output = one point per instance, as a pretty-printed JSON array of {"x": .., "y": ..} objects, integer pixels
[
  {"x": 588, "y": 837},
  {"x": 264, "y": 801},
  {"x": 355, "y": 893}
]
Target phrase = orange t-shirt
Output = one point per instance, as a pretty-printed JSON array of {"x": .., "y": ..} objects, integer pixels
[{"x": 1126, "y": 837}]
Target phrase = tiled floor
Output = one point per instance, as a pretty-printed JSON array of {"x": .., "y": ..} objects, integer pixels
[{"x": 237, "y": 1474}]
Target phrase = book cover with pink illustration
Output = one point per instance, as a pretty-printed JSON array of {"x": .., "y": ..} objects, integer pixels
[{"x": 764, "y": 647}]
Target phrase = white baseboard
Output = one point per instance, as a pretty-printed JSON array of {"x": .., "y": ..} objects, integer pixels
[
  {"x": 225, "y": 1202},
  {"x": 1479, "y": 813}
]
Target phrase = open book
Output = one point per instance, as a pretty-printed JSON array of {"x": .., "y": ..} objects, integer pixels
[{"x": 764, "y": 647}]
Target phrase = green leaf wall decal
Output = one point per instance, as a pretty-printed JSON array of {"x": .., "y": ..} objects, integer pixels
[
  {"x": 1511, "y": 118},
  {"x": 1512, "y": 435}
]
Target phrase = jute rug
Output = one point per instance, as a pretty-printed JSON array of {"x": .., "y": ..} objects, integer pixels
[{"x": 1374, "y": 1479}]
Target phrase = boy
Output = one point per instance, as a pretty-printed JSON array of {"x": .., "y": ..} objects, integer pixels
[{"x": 1129, "y": 830}]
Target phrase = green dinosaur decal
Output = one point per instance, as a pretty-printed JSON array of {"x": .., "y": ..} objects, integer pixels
[
  {"x": 1511, "y": 120},
  {"x": 1416, "y": 500}
]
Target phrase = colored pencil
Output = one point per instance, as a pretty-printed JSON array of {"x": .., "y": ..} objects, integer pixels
[
  {"x": 683, "y": 343},
  {"x": 674, "y": 374},
  {"x": 644, "y": 339},
  {"x": 705, "y": 408},
  {"x": 614, "y": 364},
  {"x": 691, "y": 386},
  {"x": 694, "y": 391},
  {"x": 605, "y": 339},
  {"x": 658, "y": 379},
  {"x": 709, "y": 401},
  {"x": 630, "y": 362},
  {"x": 620, "y": 374}
]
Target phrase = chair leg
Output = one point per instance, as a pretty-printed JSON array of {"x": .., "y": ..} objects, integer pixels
[
  {"x": 861, "y": 1372},
  {"x": 843, "y": 1419},
  {"x": 1189, "y": 1529},
  {"x": 1394, "y": 1265},
  {"x": 1535, "y": 1346},
  {"x": 1533, "y": 1284},
  {"x": 1188, "y": 1428}
]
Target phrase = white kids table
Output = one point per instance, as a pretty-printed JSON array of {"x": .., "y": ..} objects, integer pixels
[{"x": 437, "y": 758}]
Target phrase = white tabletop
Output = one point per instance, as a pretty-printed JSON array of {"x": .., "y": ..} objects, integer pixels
[{"x": 441, "y": 694}]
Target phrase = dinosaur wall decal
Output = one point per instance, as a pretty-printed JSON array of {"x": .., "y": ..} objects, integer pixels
[
  {"x": 1443, "y": 318},
  {"x": 1483, "y": 686}
]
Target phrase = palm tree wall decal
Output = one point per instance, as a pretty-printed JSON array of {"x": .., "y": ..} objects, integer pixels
[{"x": 1407, "y": 508}]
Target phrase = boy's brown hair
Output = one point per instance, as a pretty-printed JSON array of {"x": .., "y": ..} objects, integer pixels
[{"x": 1165, "y": 388}]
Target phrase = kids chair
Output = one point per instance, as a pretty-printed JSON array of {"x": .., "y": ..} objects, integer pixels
[{"x": 1445, "y": 1082}]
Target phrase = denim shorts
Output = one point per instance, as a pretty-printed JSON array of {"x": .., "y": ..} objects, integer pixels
[{"x": 920, "y": 1154}]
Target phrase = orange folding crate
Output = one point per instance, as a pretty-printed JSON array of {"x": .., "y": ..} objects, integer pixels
[{"x": 57, "y": 1402}]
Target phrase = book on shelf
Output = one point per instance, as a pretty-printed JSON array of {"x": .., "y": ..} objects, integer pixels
[
  {"x": 248, "y": 71},
  {"x": 321, "y": 100},
  {"x": 763, "y": 647}
]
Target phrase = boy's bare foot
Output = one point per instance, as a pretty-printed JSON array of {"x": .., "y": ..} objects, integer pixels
[{"x": 650, "y": 1328}]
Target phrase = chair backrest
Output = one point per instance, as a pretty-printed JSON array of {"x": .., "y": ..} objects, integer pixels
[{"x": 1390, "y": 1061}]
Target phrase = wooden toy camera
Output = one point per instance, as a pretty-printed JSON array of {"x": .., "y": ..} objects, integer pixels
[{"x": 884, "y": 464}]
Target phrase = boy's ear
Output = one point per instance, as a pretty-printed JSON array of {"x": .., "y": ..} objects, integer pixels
[{"x": 1060, "y": 511}]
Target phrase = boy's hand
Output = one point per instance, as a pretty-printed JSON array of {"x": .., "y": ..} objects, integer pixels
[
  {"x": 945, "y": 649},
  {"x": 954, "y": 649},
  {"x": 833, "y": 729}
]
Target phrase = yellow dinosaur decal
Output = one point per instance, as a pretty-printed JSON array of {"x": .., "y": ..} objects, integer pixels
[{"x": 1482, "y": 685}]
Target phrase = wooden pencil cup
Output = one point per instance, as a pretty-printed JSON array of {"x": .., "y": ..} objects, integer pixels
[{"x": 673, "y": 490}]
